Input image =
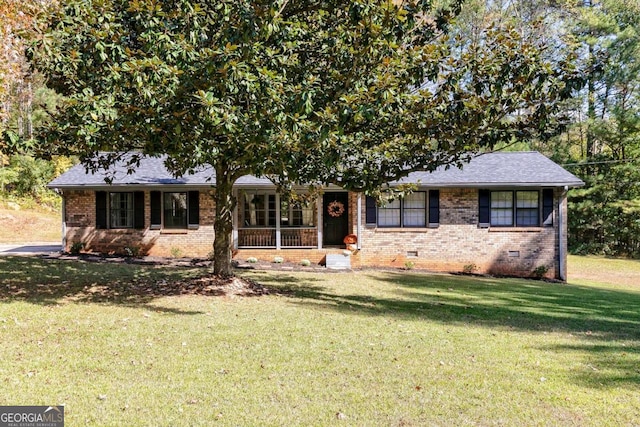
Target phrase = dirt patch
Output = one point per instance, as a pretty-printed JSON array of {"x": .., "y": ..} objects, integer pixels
[
  {"x": 220, "y": 286},
  {"x": 29, "y": 226},
  {"x": 613, "y": 271}
]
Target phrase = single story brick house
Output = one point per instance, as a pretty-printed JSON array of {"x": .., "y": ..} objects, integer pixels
[{"x": 502, "y": 213}]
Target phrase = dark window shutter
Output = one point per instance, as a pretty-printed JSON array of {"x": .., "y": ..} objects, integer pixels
[
  {"x": 371, "y": 209},
  {"x": 101, "y": 209},
  {"x": 138, "y": 209},
  {"x": 434, "y": 206},
  {"x": 484, "y": 206},
  {"x": 271, "y": 210},
  {"x": 156, "y": 208},
  {"x": 547, "y": 206},
  {"x": 194, "y": 207}
]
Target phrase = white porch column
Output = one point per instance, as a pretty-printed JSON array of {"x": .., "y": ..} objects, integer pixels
[{"x": 234, "y": 232}]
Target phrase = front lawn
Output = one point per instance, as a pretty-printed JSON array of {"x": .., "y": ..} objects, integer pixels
[{"x": 363, "y": 348}]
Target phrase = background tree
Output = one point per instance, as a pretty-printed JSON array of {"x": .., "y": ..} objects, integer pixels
[
  {"x": 355, "y": 93},
  {"x": 550, "y": 23},
  {"x": 605, "y": 215},
  {"x": 24, "y": 100},
  {"x": 600, "y": 142},
  {"x": 19, "y": 25}
]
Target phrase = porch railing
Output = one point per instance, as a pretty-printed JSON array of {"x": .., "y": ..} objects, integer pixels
[
  {"x": 299, "y": 237},
  {"x": 289, "y": 237}
]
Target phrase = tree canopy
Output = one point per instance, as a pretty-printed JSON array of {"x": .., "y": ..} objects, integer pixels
[{"x": 354, "y": 93}]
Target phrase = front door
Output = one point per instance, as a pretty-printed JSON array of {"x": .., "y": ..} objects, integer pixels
[{"x": 335, "y": 218}]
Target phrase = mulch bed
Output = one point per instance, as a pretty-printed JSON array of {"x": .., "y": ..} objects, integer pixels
[{"x": 213, "y": 285}]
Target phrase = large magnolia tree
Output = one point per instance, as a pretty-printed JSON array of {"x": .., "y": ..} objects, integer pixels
[{"x": 351, "y": 92}]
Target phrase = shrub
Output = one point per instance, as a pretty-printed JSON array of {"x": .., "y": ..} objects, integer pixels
[
  {"x": 76, "y": 248},
  {"x": 469, "y": 268},
  {"x": 305, "y": 263},
  {"x": 278, "y": 260},
  {"x": 252, "y": 260},
  {"x": 540, "y": 271},
  {"x": 176, "y": 252},
  {"x": 132, "y": 251},
  {"x": 408, "y": 265}
]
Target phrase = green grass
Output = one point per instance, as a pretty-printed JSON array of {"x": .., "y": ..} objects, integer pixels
[{"x": 364, "y": 348}]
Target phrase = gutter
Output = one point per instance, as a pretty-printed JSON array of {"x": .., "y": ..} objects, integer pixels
[{"x": 491, "y": 185}]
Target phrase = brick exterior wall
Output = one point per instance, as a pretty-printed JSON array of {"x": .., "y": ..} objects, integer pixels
[
  {"x": 80, "y": 219},
  {"x": 456, "y": 245},
  {"x": 459, "y": 244}
]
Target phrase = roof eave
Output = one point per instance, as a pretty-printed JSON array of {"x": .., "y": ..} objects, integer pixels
[
  {"x": 123, "y": 186},
  {"x": 132, "y": 186}
]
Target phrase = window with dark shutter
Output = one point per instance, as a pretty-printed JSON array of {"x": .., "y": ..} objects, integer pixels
[
  {"x": 175, "y": 208},
  {"x": 371, "y": 210},
  {"x": 156, "y": 209},
  {"x": 527, "y": 208},
  {"x": 547, "y": 206},
  {"x": 434, "y": 208},
  {"x": 509, "y": 208},
  {"x": 138, "y": 209},
  {"x": 194, "y": 208},
  {"x": 121, "y": 210},
  {"x": 101, "y": 209},
  {"x": 484, "y": 207}
]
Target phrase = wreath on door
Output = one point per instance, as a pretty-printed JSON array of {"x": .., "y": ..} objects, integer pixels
[{"x": 335, "y": 209}]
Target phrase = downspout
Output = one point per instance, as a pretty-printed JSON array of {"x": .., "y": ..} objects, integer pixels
[
  {"x": 359, "y": 221},
  {"x": 562, "y": 237},
  {"x": 64, "y": 222}
]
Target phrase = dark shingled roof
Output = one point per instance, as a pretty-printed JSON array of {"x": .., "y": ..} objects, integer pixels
[
  {"x": 487, "y": 170},
  {"x": 151, "y": 172},
  {"x": 528, "y": 168}
]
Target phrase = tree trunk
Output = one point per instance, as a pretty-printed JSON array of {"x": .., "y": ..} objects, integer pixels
[
  {"x": 223, "y": 223},
  {"x": 591, "y": 115},
  {"x": 591, "y": 100}
]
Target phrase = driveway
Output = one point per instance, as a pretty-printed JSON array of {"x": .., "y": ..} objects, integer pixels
[{"x": 37, "y": 248}]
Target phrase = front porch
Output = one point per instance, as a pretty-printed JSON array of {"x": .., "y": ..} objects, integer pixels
[{"x": 266, "y": 221}]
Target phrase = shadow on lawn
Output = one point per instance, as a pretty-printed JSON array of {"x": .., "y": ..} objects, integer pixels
[
  {"x": 497, "y": 302},
  {"x": 50, "y": 281},
  {"x": 606, "y": 322}
]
